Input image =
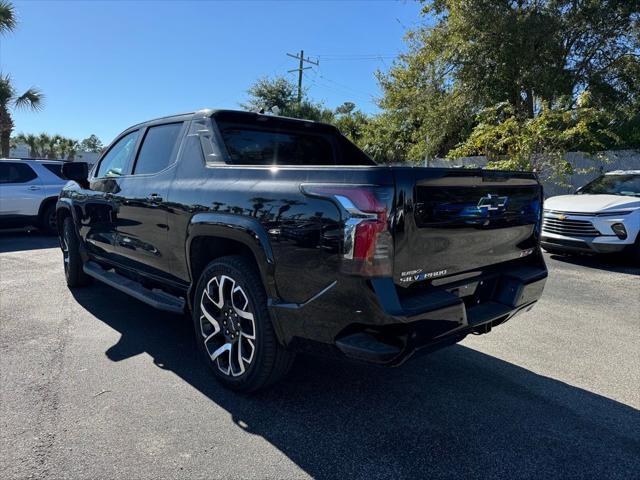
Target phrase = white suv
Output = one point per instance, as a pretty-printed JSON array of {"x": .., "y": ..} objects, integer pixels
[
  {"x": 28, "y": 193},
  {"x": 603, "y": 216}
]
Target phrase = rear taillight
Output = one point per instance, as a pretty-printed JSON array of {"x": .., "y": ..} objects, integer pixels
[{"x": 367, "y": 247}]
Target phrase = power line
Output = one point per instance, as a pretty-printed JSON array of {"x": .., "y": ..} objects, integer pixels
[
  {"x": 301, "y": 68},
  {"x": 336, "y": 85}
]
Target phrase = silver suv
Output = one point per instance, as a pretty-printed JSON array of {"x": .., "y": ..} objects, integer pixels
[{"x": 28, "y": 193}]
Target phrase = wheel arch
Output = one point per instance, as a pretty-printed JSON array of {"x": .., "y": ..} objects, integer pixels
[
  {"x": 63, "y": 210},
  {"x": 212, "y": 236},
  {"x": 46, "y": 203}
]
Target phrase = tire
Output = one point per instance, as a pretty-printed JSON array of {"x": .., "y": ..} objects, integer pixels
[
  {"x": 69, "y": 242},
  {"x": 234, "y": 333},
  {"x": 634, "y": 252},
  {"x": 47, "y": 223}
]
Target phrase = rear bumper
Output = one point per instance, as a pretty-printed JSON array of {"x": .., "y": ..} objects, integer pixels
[
  {"x": 440, "y": 316},
  {"x": 385, "y": 324}
]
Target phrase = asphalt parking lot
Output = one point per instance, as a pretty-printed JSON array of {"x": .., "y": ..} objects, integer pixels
[{"x": 97, "y": 385}]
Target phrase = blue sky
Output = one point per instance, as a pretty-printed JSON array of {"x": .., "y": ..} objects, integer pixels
[{"x": 106, "y": 65}]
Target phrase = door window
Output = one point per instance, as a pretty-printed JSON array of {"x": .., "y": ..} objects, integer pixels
[
  {"x": 116, "y": 160},
  {"x": 158, "y": 148},
  {"x": 16, "y": 173}
]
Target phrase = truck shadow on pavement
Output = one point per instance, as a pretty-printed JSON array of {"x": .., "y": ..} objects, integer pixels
[
  {"x": 455, "y": 413},
  {"x": 18, "y": 240},
  {"x": 617, "y": 263}
]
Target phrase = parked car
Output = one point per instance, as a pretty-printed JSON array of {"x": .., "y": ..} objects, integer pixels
[
  {"x": 602, "y": 217},
  {"x": 28, "y": 193},
  {"x": 280, "y": 235}
]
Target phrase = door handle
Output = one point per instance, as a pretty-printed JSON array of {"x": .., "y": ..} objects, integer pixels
[
  {"x": 154, "y": 198},
  {"x": 34, "y": 187}
]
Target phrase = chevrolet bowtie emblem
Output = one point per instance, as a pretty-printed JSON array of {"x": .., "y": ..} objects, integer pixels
[
  {"x": 562, "y": 217},
  {"x": 493, "y": 202}
]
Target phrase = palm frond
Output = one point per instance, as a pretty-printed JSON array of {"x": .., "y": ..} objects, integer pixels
[
  {"x": 8, "y": 20},
  {"x": 7, "y": 92},
  {"x": 32, "y": 99}
]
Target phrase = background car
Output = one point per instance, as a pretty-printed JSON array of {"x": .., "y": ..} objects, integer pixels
[
  {"x": 28, "y": 193},
  {"x": 602, "y": 217}
]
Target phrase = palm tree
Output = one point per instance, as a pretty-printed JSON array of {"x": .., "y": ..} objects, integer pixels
[
  {"x": 31, "y": 141},
  {"x": 9, "y": 99},
  {"x": 8, "y": 20}
]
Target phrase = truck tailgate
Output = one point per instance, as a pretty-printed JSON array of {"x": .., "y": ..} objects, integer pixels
[{"x": 450, "y": 221}]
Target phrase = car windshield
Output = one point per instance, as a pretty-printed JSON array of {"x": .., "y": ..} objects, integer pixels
[{"x": 622, "y": 184}]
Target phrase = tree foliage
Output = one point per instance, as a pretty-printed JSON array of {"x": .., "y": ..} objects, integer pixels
[
  {"x": 539, "y": 57},
  {"x": 267, "y": 93},
  {"x": 91, "y": 144},
  {"x": 8, "y": 20},
  {"x": 513, "y": 142},
  {"x": 49, "y": 146},
  {"x": 10, "y": 99}
]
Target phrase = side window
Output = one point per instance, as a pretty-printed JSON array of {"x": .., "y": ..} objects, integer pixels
[
  {"x": 16, "y": 172},
  {"x": 115, "y": 161},
  {"x": 55, "y": 168},
  {"x": 158, "y": 148}
]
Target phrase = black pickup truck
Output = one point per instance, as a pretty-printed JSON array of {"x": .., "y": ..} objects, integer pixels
[{"x": 280, "y": 235}]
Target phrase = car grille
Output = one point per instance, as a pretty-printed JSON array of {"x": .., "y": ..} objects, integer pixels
[{"x": 572, "y": 228}]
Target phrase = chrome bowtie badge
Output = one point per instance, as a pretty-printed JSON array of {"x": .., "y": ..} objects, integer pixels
[{"x": 493, "y": 202}]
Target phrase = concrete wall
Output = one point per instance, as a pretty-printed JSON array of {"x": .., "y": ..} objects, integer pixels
[{"x": 612, "y": 160}]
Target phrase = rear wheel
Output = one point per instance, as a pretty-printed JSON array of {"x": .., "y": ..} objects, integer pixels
[
  {"x": 233, "y": 329},
  {"x": 73, "y": 272},
  {"x": 47, "y": 223}
]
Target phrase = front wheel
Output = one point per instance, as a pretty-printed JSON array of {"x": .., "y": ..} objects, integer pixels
[
  {"x": 73, "y": 272},
  {"x": 233, "y": 329}
]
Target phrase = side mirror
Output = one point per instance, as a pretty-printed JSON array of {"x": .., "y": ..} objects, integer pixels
[{"x": 76, "y": 171}]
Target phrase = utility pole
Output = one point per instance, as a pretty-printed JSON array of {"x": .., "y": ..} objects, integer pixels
[{"x": 300, "y": 69}]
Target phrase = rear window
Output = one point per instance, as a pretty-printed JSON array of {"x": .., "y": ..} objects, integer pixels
[
  {"x": 252, "y": 146},
  {"x": 55, "y": 168}
]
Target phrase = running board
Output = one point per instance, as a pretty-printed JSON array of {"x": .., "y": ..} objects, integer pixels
[{"x": 156, "y": 298}]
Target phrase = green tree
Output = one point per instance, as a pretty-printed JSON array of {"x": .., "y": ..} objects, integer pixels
[
  {"x": 351, "y": 122},
  {"x": 9, "y": 97},
  {"x": 512, "y": 141},
  {"x": 91, "y": 144},
  {"x": 267, "y": 93},
  {"x": 49, "y": 146},
  {"x": 8, "y": 20},
  {"x": 476, "y": 54}
]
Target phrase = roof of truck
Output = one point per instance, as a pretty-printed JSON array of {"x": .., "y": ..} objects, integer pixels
[{"x": 213, "y": 112}]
